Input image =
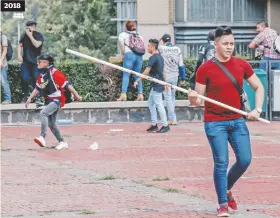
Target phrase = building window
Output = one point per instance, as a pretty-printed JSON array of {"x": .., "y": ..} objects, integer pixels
[
  {"x": 223, "y": 10},
  {"x": 209, "y": 10},
  {"x": 249, "y": 10},
  {"x": 180, "y": 10}
]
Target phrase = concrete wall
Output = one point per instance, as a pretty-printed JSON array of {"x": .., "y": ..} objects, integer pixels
[
  {"x": 97, "y": 112},
  {"x": 155, "y": 17},
  {"x": 274, "y": 14}
]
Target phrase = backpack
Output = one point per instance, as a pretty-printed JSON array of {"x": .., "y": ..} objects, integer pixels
[
  {"x": 209, "y": 52},
  {"x": 68, "y": 95},
  {"x": 9, "y": 54},
  {"x": 136, "y": 44},
  {"x": 276, "y": 44}
]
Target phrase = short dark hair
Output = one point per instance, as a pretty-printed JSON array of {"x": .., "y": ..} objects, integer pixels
[
  {"x": 211, "y": 35},
  {"x": 154, "y": 42},
  {"x": 263, "y": 23},
  {"x": 30, "y": 23},
  {"x": 223, "y": 31}
]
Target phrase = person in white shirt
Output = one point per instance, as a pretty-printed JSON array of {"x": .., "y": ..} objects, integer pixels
[
  {"x": 173, "y": 67},
  {"x": 132, "y": 49}
]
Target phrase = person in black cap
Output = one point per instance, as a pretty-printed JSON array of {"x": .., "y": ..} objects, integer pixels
[
  {"x": 29, "y": 48},
  {"x": 53, "y": 85},
  {"x": 173, "y": 66}
]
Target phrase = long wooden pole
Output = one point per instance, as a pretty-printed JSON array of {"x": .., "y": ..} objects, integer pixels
[{"x": 96, "y": 60}]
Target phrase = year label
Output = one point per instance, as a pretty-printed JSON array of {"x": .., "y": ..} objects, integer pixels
[{"x": 12, "y": 5}]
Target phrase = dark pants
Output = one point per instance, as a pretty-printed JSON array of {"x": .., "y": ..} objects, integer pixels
[
  {"x": 219, "y": 133},
  {"x": 28, "y": 70}
]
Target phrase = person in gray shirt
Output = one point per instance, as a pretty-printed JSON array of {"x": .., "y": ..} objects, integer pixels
[{"x": 173, "y": 66}]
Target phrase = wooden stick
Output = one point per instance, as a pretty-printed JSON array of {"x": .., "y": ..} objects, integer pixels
[{"x": 160, "y": 82}]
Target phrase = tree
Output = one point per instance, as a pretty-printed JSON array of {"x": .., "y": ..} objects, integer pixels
[{"x": 82, "y": 25}]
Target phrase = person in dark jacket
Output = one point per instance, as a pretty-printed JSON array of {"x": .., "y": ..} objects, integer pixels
[
  {"x": 29, "y": 48},
  {"x": 204, "y": 53}
]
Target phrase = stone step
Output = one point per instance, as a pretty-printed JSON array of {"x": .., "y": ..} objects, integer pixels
[{"x": 97, "y": 112}]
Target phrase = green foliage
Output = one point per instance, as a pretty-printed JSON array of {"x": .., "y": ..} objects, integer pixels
[
  {"x": 82, "y": 25},
  {"x": 85, "y": 78},
  {"x": 96, "y": 83}
]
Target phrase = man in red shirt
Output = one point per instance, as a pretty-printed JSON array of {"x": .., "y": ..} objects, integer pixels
[
  {"x": 222, "y": 125},
  {"x": 52, "y": 84}
]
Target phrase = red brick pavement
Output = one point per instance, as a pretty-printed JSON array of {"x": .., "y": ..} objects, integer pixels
[{"x": 40, "y": 182}]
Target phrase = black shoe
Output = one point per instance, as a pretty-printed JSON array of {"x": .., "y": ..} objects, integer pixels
[
  {"x": 164, "y": 129},
  {"x": 153, "y": 128}
]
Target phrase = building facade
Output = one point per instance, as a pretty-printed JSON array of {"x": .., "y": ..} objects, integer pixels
[{"x": 189, "y": 21}]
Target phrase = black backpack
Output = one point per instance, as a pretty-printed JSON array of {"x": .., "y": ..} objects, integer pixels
[
  {"x": 9, "y": 54},
  {"x": 68, "y": 96},
  {"x": 209, "y": 52}
]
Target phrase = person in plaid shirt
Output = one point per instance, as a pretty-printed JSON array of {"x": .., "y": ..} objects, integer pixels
[{"x": 266, "y": 38}]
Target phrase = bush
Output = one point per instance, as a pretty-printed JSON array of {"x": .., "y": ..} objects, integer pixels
[{"x": 96, "y": 83}]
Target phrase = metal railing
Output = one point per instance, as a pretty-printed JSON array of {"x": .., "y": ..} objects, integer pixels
[{"x": 273, "y": 89}]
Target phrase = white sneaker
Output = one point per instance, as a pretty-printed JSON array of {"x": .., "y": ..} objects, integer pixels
[
  {"x": 61, "y": 145},
  {"x": 40, "y": 141}
]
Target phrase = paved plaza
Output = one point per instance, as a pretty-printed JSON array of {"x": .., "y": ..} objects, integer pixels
[{"x": 132, "y": 174}]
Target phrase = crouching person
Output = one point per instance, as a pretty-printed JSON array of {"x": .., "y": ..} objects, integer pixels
[{"x": 52, "y": 84}]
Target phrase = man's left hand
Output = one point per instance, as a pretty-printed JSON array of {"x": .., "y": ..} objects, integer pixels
[
  {"x": 182, "y": 82},
  {"x": 28, "y": 33},
  {"x": 78, "y": 98},
  {"x": 253, "y": 115}
]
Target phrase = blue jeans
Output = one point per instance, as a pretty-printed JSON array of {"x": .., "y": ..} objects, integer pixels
[
  {"x": 28, "y": 70},
  {"x": 274, "y": 66},
  {"x": 132, "y": 62},
  {"x": 156, "y": 103},
  {"x": 170, "y": 99},
  {"x": 5, "y": 83},
  {"x": 219, "y": 134}
]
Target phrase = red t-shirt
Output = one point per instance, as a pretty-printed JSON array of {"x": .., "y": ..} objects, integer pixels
[{"x": 220, "y": 88}]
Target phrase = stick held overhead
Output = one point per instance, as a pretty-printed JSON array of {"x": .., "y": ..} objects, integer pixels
[{"x": 96, "y": 60}]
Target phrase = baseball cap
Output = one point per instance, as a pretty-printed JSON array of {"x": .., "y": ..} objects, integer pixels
[
  {"x": 166, "y": 37},
  {"x": 30, "y": 22},
  {"x": 47, "y": 57}
]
